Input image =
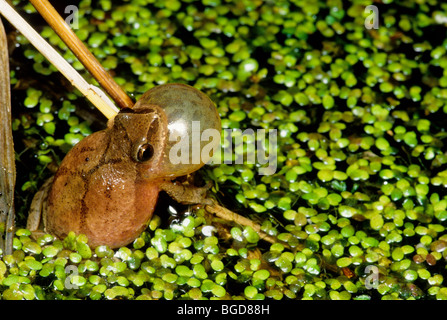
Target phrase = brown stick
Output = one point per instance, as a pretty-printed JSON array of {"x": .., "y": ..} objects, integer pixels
[{"x": 67, "y": 35}]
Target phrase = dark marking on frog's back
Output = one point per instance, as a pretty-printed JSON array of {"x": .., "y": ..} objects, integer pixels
[{"x": 87, "y": 149}]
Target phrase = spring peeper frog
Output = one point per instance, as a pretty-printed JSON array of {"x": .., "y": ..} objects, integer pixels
[{"x": 107, "y": 186}]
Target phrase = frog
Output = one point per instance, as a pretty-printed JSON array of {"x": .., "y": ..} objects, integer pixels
[{"x": 107, "y": 185}]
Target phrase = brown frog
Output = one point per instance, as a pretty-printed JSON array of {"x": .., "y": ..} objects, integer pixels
[{"x": 107, "y": 186}]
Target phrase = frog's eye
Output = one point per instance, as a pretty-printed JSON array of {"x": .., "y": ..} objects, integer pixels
[{"x": 145, "y": 152}]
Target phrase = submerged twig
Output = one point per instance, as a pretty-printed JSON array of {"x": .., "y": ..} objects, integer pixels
[
  {"x": 7, "y": 156},
  {"x": 229, "y": 215},
  {"x": 97, "y": 97}
]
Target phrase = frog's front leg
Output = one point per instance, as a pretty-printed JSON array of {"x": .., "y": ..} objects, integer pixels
[
  {"x": 36, "y": 216},
  {"x": 185, "y": 193}
]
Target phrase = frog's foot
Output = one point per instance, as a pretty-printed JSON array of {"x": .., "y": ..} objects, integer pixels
[
  {"x": 36, "y": 234},
  {"x": 187, "y": 194},
  {"x": 37, "y": 211}
]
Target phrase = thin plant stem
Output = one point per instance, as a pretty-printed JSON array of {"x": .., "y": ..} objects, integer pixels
[
  {"x": 89, "y": 61},
  {"x": 94, "y": 94},
  {"x": 7, "y": 155}
]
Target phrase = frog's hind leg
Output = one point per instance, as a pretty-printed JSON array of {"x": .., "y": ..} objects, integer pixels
[{"x": 36, "y": 216}]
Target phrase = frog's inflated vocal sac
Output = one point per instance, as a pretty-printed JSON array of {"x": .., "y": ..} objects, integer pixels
[{"x": 107, "y": 186}]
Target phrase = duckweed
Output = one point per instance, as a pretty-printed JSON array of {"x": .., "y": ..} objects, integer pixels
[{"x": 361, "y": 166}]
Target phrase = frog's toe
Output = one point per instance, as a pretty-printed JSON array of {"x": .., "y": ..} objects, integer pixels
[
  {"x": 201, "y": 194},
  {"x": 206, "y": 201}
]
